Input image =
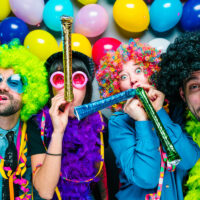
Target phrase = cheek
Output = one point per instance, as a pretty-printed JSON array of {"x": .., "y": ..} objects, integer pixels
[
  {"x": 124, "y": 85},
  {"x": 79, "y": 95},
  {"x": 194, "y": 99},
  {"x": 144, "y": 79}
]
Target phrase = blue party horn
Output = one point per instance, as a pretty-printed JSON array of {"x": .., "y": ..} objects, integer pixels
[{"x": 90, "y": 108}]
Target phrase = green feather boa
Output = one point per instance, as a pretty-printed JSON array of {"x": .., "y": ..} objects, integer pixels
[{"x": 192, "y": 127}]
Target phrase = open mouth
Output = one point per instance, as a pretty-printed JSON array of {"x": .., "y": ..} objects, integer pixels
[{"x": 3, "y": 98}]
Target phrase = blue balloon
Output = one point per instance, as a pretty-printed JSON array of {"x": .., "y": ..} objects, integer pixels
[
  {"x": 13, "y": 27},
  {"x": 190, "y": 20},
  {"x": 165, "y": 14},
  {"x": 53, "y": 10}
]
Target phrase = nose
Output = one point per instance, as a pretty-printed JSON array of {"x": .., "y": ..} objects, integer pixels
[
  {"x": 3, "y": 86},
  {"x": 133, "y": 80}
]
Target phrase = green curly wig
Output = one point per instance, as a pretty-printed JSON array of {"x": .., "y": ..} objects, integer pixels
[
  {"x": 192, "y": 127},
  {"x": 32, "y": 70}
]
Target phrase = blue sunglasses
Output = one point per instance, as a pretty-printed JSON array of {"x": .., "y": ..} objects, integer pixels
[{"x": 14, "y": 82}]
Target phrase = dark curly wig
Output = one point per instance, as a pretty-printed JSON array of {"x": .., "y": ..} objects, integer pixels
[{"x": 177, "y": 64}]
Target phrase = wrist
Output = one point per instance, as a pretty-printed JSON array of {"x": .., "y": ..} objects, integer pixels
[{"x": 57, "y": 135}]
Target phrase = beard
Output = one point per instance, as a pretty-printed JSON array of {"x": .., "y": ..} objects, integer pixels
[{"x": 13, "y": 107}]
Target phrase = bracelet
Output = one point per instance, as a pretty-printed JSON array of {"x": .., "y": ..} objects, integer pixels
[{"x": 51, "y": 154}]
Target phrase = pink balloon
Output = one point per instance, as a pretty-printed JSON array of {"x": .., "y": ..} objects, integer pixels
[
  {"x": 91, "y": 20},
  {"x": 30, "y": 11}
]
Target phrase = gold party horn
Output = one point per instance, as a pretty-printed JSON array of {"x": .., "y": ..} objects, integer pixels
[{"x": 67, "y": 57}]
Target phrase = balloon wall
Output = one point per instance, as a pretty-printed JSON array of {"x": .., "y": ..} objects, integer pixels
[{"x": 98, "y": 25}]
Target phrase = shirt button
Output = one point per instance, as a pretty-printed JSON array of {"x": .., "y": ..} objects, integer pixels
[
  {"x": 167, "y": 186},
  {"x": 153, "y": 129},
  {"x": 1, "y": 134}
]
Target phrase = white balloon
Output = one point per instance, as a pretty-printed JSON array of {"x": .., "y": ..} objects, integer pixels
[{"x": 159, "y": 44}]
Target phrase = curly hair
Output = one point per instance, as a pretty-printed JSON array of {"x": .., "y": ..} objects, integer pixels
[
  {"x": 32, "y": 71},
  {"x": 180, "y": 60},
  {"x": 111, "y": 65}
]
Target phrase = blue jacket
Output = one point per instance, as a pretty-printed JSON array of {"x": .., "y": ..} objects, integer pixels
[{"x": 136, "y": 148}]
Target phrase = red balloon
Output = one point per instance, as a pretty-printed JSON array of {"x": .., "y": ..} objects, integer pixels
[{"x": 103, "y": 45}]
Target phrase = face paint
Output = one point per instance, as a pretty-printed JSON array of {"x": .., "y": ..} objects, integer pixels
[
  {"x": 14, "y": 82},
  {"x": 79, "y": 79}
]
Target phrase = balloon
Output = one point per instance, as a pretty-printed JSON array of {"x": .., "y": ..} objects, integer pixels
[
  {"x": 79, "y": 43},
  {"x": 148, "y": 1},
  {"x": 165, "y": 14},
  {"x": 53, "y": 10},
  {"x": 91, "y": 20},
  {"x": 190, "y": 20},
  {"x": 4, "y": 9},
  {"x": 30, "y": 11},
  {"x": 103, "y": 45},
  {"x": 85, "y": 2},
  {"x": 131, "y": 15},
  {"x": 159, "y": 44},
  {"x": 41, "y": 43},
  {"x": 12, "y": 27}
]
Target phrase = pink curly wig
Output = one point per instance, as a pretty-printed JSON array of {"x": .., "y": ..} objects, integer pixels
[{"x": 111, "y": 65}]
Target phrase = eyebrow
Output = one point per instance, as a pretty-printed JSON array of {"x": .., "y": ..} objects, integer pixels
[{"x": 191, "y": 78}]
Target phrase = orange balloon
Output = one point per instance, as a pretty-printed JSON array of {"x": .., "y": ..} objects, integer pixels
[{"x": 79, "y": 43}]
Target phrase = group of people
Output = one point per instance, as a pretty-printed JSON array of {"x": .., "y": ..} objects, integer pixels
[{"x": 46, "y": 153}]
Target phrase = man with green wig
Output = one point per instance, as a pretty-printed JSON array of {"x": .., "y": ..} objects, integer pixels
[{"x": 23, "y": 91}]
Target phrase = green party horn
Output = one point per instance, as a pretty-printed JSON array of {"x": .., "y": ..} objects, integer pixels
[{"x": 173, "y": 156}]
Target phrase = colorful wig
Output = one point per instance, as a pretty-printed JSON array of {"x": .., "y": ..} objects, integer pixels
[
  {"x": 33, "y": 73},
  {"x": 111, "y": 65}
]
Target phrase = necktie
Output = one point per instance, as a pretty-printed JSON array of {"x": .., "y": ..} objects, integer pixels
[{"x": 10, "y": 160}]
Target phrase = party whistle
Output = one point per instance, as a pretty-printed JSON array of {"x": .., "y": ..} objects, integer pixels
[{"x": 87, "y": 109}]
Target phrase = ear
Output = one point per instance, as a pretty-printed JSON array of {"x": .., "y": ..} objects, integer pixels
[{"x": 181, "y": 92}]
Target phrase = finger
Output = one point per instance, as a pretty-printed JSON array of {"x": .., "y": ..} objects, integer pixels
[
  {"x": 152, "y": 94},
  {"x": 58, "y": 96},
  {"x": 128, "y": 102},
  {"x": 55, "y": 106},
  {"x": 132, "y": 103}
]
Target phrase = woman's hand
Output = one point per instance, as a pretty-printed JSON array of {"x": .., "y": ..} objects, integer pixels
[
  {"x": 59, "y": 118},
  {"x": 134, "y": 108},
  {"x": 155, "y": 96}
]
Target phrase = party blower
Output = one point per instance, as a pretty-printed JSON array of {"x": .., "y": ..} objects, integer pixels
[
  {"x": 67, "y": 57},
  {"x": 88, "y": 109}
]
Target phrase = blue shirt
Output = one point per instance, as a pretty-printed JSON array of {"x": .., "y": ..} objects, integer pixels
[
  {"x": 136, "y": 148},
  {"x": 3, "y": 147}
]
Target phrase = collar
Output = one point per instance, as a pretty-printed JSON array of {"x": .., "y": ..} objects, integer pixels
[{"x": 15, "y": 129}]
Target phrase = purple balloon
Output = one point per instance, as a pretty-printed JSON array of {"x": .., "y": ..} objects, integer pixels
[
  {"x": 12, "y": 27},
  {"x": 190, "y": 20},
  {"x": 91, "y": 20},
  {"x": 30, "y": 11}
]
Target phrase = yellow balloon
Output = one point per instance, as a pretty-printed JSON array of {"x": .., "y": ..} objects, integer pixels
[
  {"x": 79, "y": 43},
  {"x": 41, "y": 43},
  {"x": 85, "y": 2},
  {"x": 4, "y": 9},
  {"x": 131, "y": 15}
]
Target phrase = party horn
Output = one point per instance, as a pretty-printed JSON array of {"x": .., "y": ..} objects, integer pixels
[
  {"x": 87, "y": 109},
  {"x": 67, "y": 57},
  {"x": 173, "y": 157}
]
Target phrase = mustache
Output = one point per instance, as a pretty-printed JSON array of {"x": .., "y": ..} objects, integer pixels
[{"x": 7, "y": 94}]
